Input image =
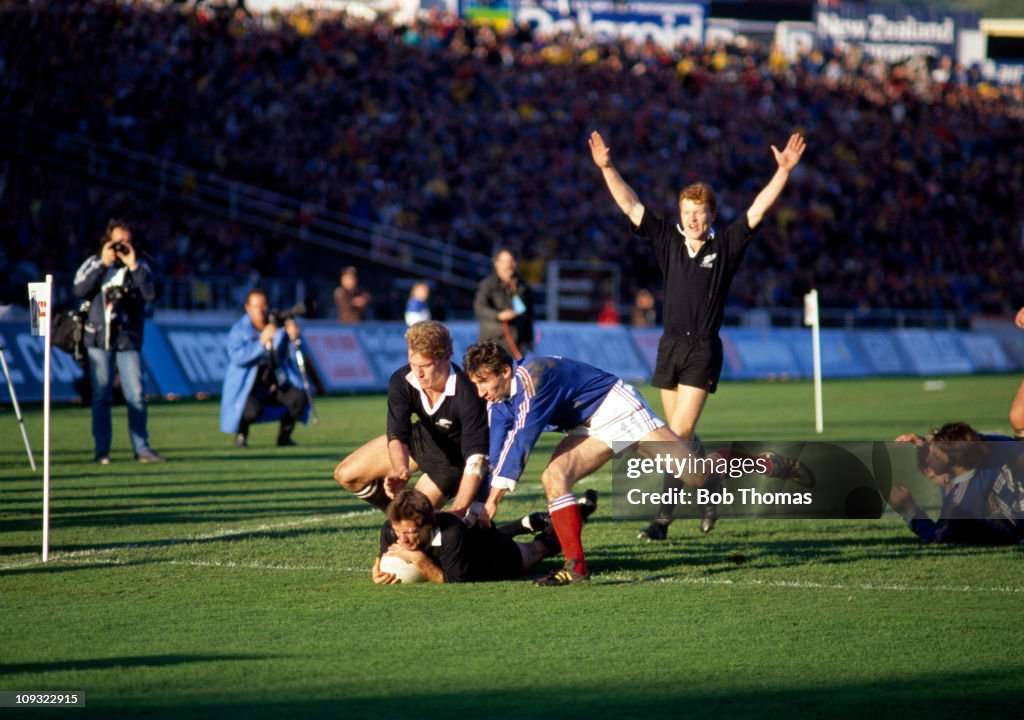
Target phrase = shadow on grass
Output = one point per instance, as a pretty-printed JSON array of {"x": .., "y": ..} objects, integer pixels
[
  {"x": 940, "y": 695},
  {"x": 727, "y": 555},
  {"x": 121, "y": 662}
]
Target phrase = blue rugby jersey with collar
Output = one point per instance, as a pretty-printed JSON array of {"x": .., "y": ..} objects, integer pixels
[{"x": 548, "y": 393}]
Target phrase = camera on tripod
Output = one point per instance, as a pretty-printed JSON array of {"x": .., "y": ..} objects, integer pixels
[{"x": 299, "y": 309}]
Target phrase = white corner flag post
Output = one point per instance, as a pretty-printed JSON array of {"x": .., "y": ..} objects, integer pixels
[
  {"x": 811, "y": 318},
  {"x": 40, "y": 297}
]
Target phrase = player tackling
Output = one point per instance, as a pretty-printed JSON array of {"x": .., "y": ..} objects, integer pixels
[{"x": 594, "y": 408}]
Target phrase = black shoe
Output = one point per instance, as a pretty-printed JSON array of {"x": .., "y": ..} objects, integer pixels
[
  {"x": 708, "y": 517},
  {"x": 285, "y": 441},
  {"x": 786, "y": 468},
  {"x": 549, "y": 540},
  {"x": 588, "y": 504},
  {"x": 657, "y": 530},
  {"x": 532, "y": 523},
  {"x": 565, "y": 575},
  {"x": 536, "y": 521},
  {"x": 241, "y": 440}
]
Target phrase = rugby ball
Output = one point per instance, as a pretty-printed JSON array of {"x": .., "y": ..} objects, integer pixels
[{"x": 404, "y": 571}]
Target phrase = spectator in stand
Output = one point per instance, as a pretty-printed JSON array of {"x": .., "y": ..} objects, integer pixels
[
  {"x": 417, "y": 307},
  {"x": 644, "y": 313},
  {"x": 899, "y": 136},
  {"x": 609, "y": 314},
  {"x": 350, "y": 299}
]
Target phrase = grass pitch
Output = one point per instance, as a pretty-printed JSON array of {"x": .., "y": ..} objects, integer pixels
[{"x": 235, "y": 584}]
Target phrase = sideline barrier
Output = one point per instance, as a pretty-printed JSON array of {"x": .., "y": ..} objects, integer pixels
[{"x": 186, "y": 356}]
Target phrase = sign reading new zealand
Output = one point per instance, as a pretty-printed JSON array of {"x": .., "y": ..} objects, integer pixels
[{"x": 894, "y": 33}]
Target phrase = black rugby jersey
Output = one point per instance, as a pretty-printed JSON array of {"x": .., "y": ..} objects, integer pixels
[
  {"x": 458, "y": 425},
  {"x": 695, "y": 288}
]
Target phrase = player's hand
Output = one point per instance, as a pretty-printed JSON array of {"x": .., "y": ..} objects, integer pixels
[
  {"x": 506, "y": 315},
  {"x": 1020, "y": 318},
  {"x": 382, "y": 578},
  {"x": 790, "y": 156},
  {"x": 107, "y": 254},
  {"x": 599, "y": 151},
  {"x": 128, "y": 258},
  {"x": 395, "y": 484},
  {"x": 410, "y": 556},
  {"x": 910, "y": 438},
  {"x": 487, "y": 515},
  {"x": 900, "y": 498}
]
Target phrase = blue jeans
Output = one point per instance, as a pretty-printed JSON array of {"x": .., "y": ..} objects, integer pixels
[{"x": 129, "y": 365}]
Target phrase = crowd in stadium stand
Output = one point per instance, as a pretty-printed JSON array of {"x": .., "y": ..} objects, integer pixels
[{"x": 907, "y": 196}]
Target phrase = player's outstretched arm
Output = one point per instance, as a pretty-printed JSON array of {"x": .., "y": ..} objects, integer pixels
[
  {"x": 787, "y": 158},
  {"x": 621, "y": 192},
  {"x": 469, "y": 485}
]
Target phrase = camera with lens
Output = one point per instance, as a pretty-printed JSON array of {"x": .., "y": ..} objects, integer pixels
[
  {"x": 119, "y": 248},
  {"x": 300, "y": 309}
]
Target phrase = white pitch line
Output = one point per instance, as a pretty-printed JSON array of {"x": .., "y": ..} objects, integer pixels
[
  {"x": 599, "y": 578},
  {"x": 809, "y": 585},
  {"x": 218, "y": 535}
]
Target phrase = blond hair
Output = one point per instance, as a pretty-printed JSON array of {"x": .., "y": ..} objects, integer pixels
[{"x": 430, "y": 339}]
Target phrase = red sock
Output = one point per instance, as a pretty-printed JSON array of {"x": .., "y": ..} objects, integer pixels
[{"x": 567, "y": 521}]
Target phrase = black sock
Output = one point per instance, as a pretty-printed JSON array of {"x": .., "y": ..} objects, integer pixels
[{"x": 375, "y": 495}]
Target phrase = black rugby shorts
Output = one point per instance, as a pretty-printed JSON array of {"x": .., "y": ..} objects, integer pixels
[
  {"x": 693, "y": 360},
  {"x": 444, "y": 469}
]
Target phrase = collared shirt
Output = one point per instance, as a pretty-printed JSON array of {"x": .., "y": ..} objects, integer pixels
[
  {"x": 457, "y": 422},
  {"x": 697, "y": 284}
]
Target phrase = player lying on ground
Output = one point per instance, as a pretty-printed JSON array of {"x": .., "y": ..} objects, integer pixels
[
  {"x": 594, "y": 408},
  {"x": 444, "y": 550},
  {"x": 448, "y": 443},
  {"x": 980, "y": 480}
]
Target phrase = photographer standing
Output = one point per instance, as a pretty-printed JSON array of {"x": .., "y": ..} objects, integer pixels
[
  {"x": 117, "y": 285},
  {"x": 261, "y": 382}
]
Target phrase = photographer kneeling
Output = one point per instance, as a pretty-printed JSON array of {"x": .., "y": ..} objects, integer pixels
[
  {"x": 262, "y": 382},
  {"x": 117, "y": 284}
]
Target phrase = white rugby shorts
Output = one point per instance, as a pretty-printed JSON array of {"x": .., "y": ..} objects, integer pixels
[{"x": 622, "y": 418}]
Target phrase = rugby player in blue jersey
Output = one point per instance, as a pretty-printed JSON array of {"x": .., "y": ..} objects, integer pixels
[{"x": 594, "y": 408}]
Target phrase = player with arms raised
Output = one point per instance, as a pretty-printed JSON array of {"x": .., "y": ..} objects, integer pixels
[{"x": 698, "y": 264}]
